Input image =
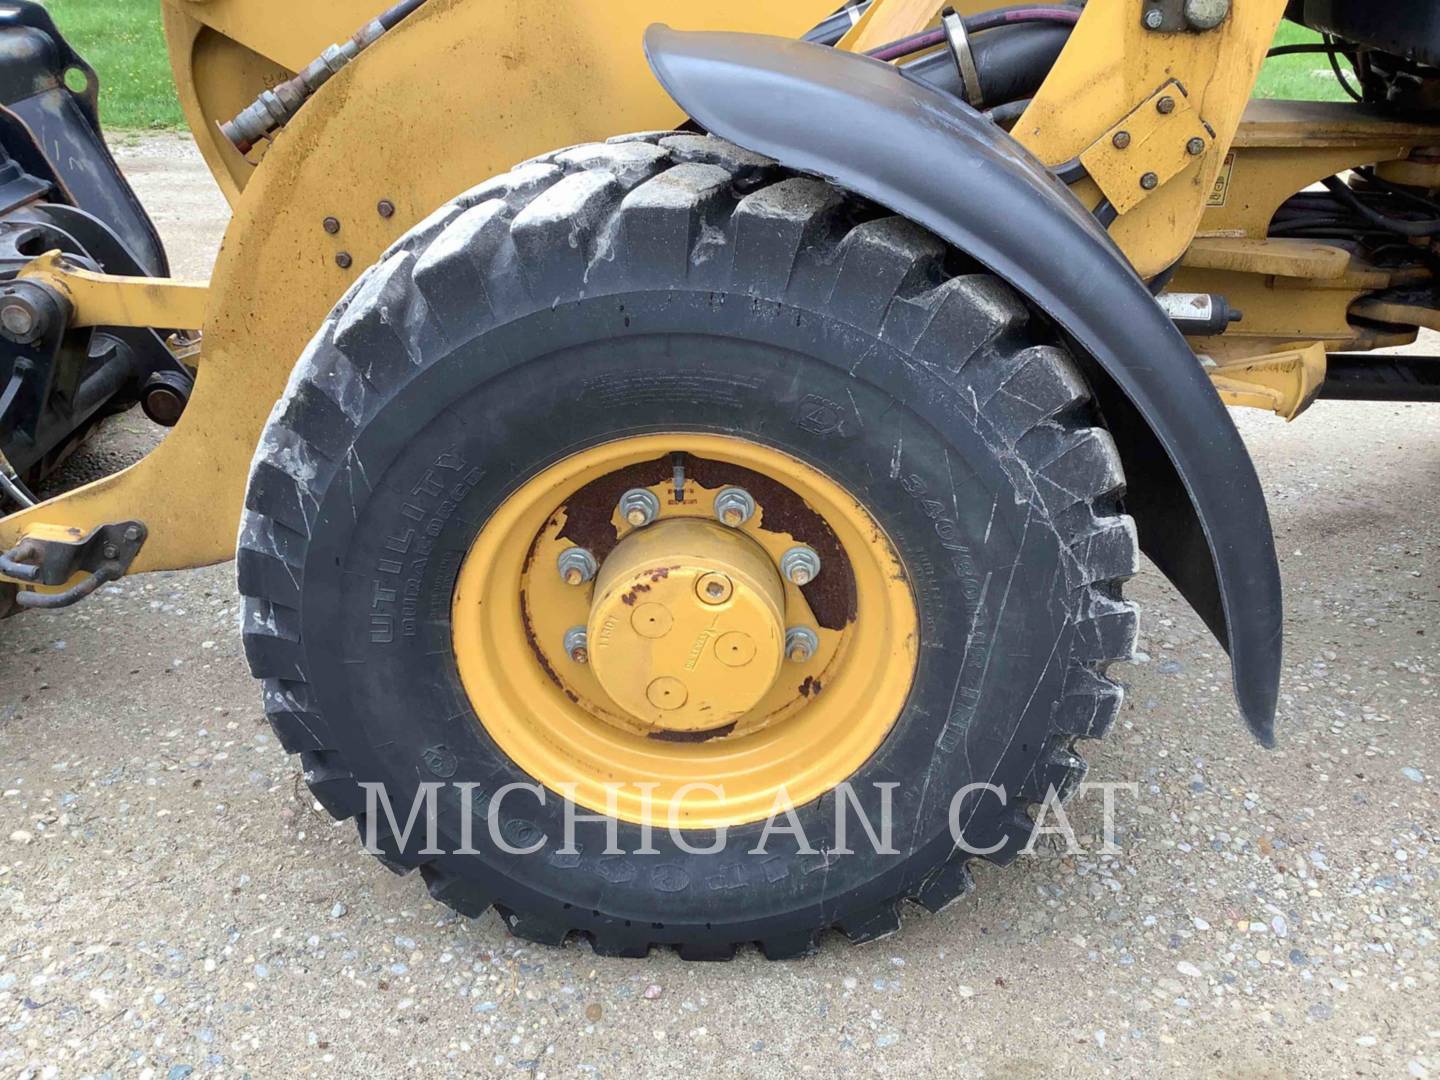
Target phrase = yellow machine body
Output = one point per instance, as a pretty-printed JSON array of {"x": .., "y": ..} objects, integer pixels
[{"x": 464, "y": 89}]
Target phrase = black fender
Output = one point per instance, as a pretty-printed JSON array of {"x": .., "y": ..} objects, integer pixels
[{"x": 860, "y": 123}]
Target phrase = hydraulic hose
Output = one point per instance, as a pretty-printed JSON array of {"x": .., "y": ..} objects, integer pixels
[
  {"x": 391, "y": 18},
  {"x": 274, "y": 108},
  {"x": 987, "y": 20},
  {"x": 1012, "y": 61}
]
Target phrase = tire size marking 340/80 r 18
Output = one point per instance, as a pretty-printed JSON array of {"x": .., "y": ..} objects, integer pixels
[{"x": 395, "y": 591}]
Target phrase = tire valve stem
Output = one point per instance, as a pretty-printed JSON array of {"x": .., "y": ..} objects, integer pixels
[
  {"x": 677, "y": 460},
  {"x": 577, "y": 645}
]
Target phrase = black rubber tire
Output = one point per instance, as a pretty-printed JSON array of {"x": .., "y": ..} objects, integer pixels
[{"x": 670, "y": 281}]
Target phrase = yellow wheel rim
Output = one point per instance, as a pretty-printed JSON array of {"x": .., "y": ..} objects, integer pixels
[{"x": 727, "y": 728}]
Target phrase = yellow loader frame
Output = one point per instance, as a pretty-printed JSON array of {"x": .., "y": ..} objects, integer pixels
[{"x": 464, "y": 89}]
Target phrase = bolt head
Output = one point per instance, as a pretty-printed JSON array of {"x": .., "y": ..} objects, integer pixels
[
  {"x": 132, "y": 533},
  {"x": 1206, "y": 14},
  {"x": 734, "y": 507},
  {"x": 576, "y": 566},
  {"x": 1149, "y": 181},
  {"x": 1166, "y": 105},
  {"x": 801, "y": 644},
  {"x": 577, "y": 645},
  {"x": 343, "y": 260},
  {"x": 110, "y": 551},
  {"x": 1154, "y": 18},
  {"x": 800, "y": 565},
  {"x": 386, "y": 208},
  {"x": 331, "y": 225},
  {"x": 1195, "y": 147},
  {"x": 639, "y": 507},
  {"x": 714, "y": 589},
  {"x": 1121, "y": 140}
]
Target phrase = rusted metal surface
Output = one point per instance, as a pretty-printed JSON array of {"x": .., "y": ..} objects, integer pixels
[{"x": 589, "y": 523}]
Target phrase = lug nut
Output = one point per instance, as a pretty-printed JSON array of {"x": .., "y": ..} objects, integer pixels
[
  {"x": 639, "y": 507},
  {"x": 576, "y": 566},
  {"x": 734, "y": 507},
  {"x": 801, "y": 644},
  {"x": 800, "y": 565},
  {"x": 577, "y": 645}
]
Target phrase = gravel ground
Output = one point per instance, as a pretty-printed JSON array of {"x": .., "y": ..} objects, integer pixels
[{"x": 174, "y": 903}]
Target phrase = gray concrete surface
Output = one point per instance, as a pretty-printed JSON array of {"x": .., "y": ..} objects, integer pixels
[{"x": 173, "y": 902}]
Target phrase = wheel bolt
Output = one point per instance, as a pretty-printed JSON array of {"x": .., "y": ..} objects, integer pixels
[
  {"x": 800, "y": 565},
  {"x": 639, "y": 507},
  {"x": 576, "y": 566},
  {"x": 801, "y": 644},
  {"x": 577, "y": 645},
  {"x": 734, "y": 507}
]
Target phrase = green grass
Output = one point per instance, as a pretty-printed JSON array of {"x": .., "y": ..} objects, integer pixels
[
  {"x": 122, "y": 41},
  {"x": 1303, "y": 77}
]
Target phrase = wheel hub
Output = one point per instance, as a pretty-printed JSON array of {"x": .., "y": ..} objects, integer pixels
[
  {"x": 686, "y": 631},
  {"x": 605, "y": 638}
]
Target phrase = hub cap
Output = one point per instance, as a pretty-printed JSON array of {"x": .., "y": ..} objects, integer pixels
[{"x": 687, "y": 629}]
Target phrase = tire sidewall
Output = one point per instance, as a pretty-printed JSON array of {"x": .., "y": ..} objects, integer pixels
[{"x": 473, "y": 424}]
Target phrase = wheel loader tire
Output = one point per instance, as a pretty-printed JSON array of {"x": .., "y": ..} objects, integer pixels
[{"x": 675, "y": 283}]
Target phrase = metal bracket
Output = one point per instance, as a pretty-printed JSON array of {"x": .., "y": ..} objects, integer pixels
[
  {"x": 1155, "y": 142},
  {"x": 50, "y": 556},
  {"x": 1284, "y": 383},
  {"x": 1183, "y": 16},
  {"x": 112, "y": 300},
  {"x": 959, "y": 42}
]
